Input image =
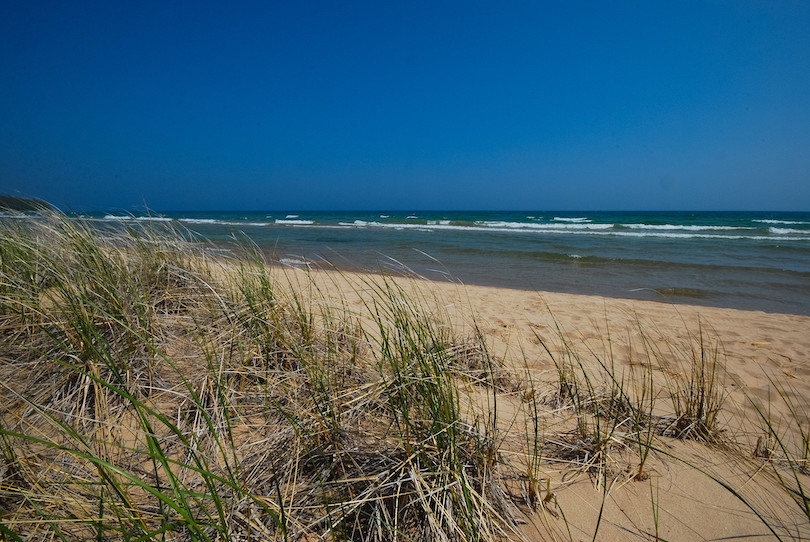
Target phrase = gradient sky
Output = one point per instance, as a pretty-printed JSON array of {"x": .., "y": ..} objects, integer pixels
[{"x": 406, "y": 105}]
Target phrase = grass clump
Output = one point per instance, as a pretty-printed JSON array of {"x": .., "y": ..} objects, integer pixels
[
  {"x": 696, "y": 388},
  {"x": 786, "y": 443},
  {"x": 610, "y": 407},
  {"x": 150, "y": 392}
]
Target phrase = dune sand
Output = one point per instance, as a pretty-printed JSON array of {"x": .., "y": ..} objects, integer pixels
[{"x": 687, "y": 491}]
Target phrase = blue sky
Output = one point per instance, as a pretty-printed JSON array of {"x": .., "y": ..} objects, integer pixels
[{"x": 381, "y": 105}]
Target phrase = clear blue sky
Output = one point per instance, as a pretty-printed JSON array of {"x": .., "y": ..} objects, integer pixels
[{"x": 407, "y": 105}]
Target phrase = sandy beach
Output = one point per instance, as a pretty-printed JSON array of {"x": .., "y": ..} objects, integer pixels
[
  {"x": 759, "y": 352},
  {"x": 757, "y": 348},
  {"x": 754, "y": 343}
]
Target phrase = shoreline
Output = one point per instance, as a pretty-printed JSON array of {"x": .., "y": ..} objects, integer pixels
[
  {"x": 755, "y": 345},
  {"x": 682, "y": 298},
  {"x": 512, "y": 305}
]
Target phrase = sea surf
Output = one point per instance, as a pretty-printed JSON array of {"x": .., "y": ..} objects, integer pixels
[{"x": 744, "y": 260}]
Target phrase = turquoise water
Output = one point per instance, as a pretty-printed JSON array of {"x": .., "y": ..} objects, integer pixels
[{"x": 748, "y": 260}]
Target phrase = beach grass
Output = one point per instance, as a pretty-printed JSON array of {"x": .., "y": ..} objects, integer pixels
[{"x": 152, "y": 391}]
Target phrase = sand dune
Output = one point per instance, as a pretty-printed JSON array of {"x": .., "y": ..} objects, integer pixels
[{"x": 757, "y": 350}]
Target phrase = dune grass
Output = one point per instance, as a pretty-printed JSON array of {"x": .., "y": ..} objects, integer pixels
[{"x": 152, "y": 392}]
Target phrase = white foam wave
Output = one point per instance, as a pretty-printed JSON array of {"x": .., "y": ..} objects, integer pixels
[
  {"x": 685, "y": 227},
  {"x": 154, "y": 219},
  {"x": 786, "y": 222},
  {"x": 139, "y": 218},
  {"x": 291, "y": 216},
  {"x": 568, "y": 229},
  {"x": 785, "y": 231},
  {"x": 663, "y": 231},
  {"x": 201, "y": 221},
  {"x": 359, "y": 223},
  {"x": 536, "y": 226},
  {"x": 295, "y": 222},
  {"x": 222, "y": 222},
  {"x": 577, "y": 219},
  {"x": 698, "y": 236},
  {"x": 432, "y": 225}
]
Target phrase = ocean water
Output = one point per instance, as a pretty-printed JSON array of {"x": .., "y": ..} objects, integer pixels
[{"x": 746, "y": 260}]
